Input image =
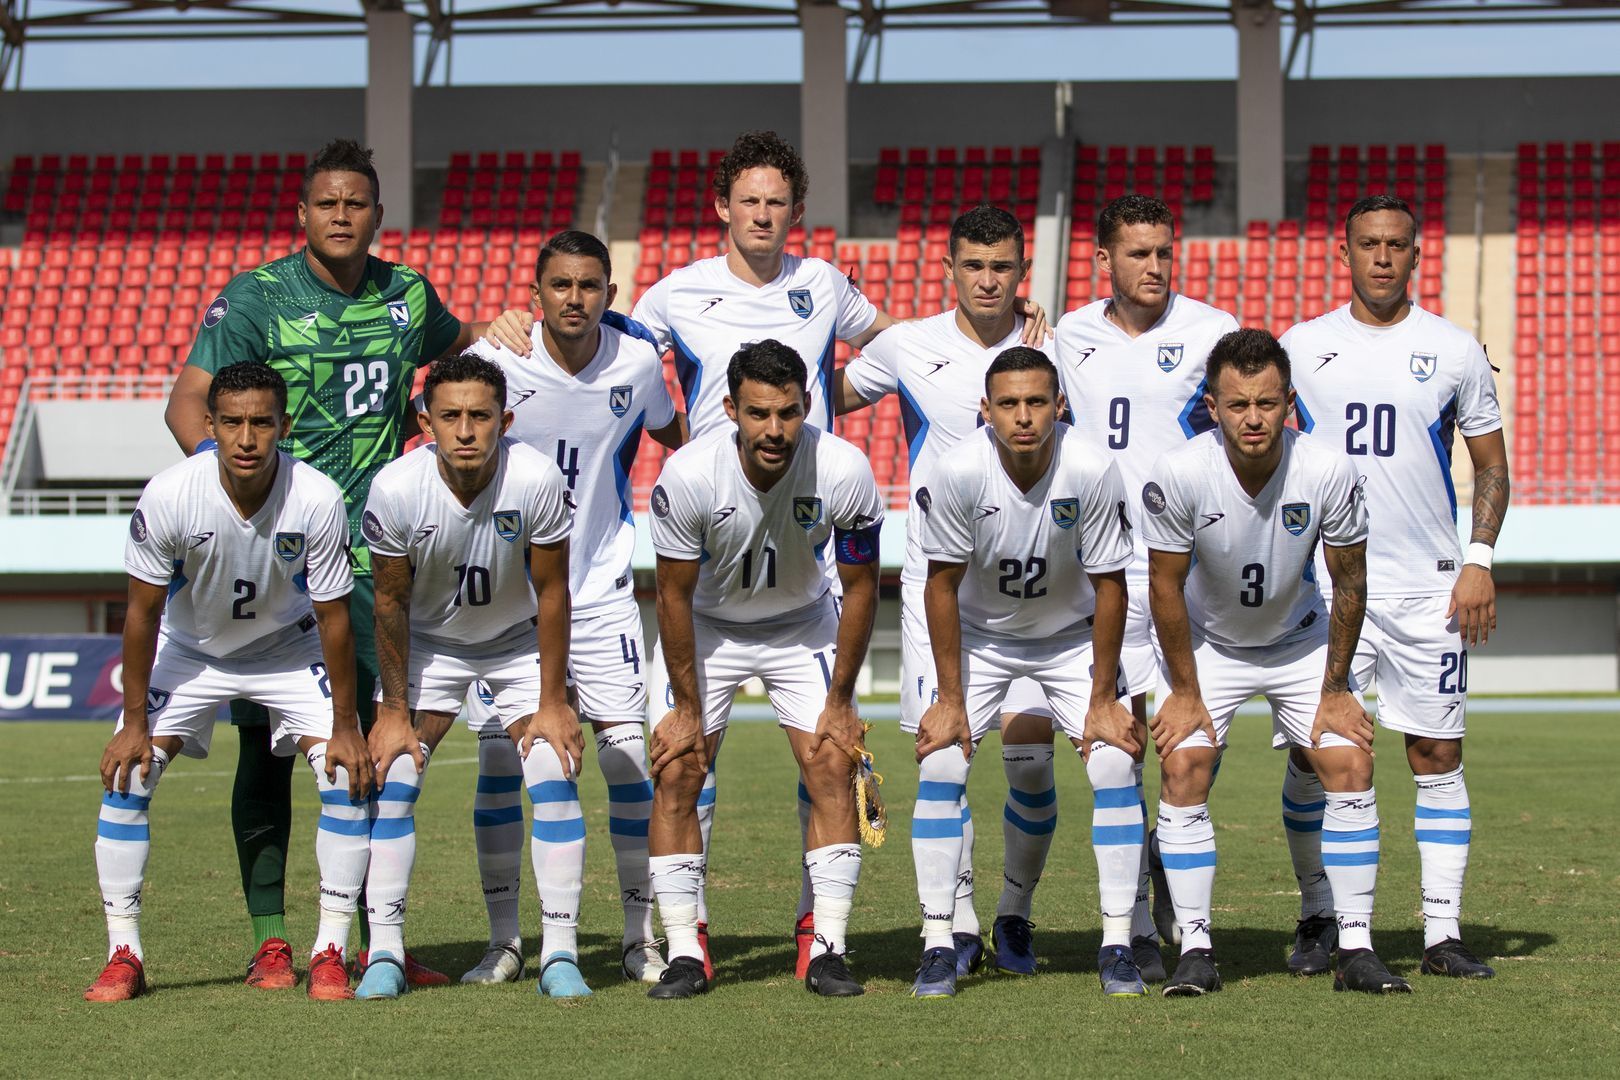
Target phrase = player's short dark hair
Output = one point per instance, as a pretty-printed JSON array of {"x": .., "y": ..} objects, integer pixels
[
  {"x": 1247, "y": 352},
  {"x": 1372, "y": 204},
  {"x": 341, "y": 155},
  {"x": 986, "y": 225},
  {"x": 574, "y": 242},
  {"x": 465, "y": 367},
  {"x": 1132, "y": 210},
  {"x": 769, "y": 362},
  {"x": 247, "y": 375},
  {"x": 761, "y": 150},
  {"x": 1020, "y": 358}
]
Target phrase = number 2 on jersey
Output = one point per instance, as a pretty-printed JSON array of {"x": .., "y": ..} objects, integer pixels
[{"x": 1022, "y": 581}]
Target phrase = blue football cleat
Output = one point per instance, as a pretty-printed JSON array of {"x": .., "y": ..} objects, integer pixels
[
  {"x": 1014, "y": 939},
  {"x": 560, "y": 978},
  {"x": 969, "y": 954},
  {"x": 936, "y": 977},
  {"x": 384, "y": 978},
  {"x": 1117, "y": 969}
]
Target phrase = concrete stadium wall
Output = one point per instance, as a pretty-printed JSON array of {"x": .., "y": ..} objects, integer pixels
[{"x": 1468, "y": 115}]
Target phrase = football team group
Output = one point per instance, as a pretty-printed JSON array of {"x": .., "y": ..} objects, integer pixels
[{"x": 1115, "y": 506}]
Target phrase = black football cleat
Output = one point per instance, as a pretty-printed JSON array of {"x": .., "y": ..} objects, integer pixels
[
  {"x": 1314, "y": 941},
  {"x": 683, "y": 978},
  {"x": 1149, "y": 959},
  {"x": 1196, "y": 975},
  {"x": 1164, "y": 909},
  {"x": 1451, "y": 957},
  {"x": 829, "y": 976},
  {"x": 1361, "y": 970}
]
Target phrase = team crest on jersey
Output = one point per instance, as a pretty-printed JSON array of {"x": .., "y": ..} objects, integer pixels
[
  {"x": 807, "y": 512},
  {"x": 289, "y": 546},
  {"x": 156, "y": 699},
  {"x": 1296, "y": 517},
  {"x": 1422, "y": 365},
  {"x": 619, "y": 400},
  {"x": 1065, "y": 512},
  {"x": 1170, "y": 356},
  {"x": 799, "y": 300},
  {"x": 400, "y": 312},
  {"x": 508, "y": 523}
]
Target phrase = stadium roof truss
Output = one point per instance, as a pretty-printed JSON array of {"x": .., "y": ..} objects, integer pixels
[{"x": 22, "y": 21}]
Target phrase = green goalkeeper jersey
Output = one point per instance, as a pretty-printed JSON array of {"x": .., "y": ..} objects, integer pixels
[{"x": 349, "y": 361}]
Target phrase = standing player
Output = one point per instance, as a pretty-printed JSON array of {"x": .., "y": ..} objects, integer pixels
[
  {"x": 742, "y": 523},
  {"x": 1027, "y": 542},
  {"x": 1233, "y": 520},
  {"x": 240, "y": 553},
  {"x": 1391, "y": 384},
  {"x": 937, "y": 367},
  {"x": 583, "y": 395},
  {"x": 469, "y": 541},
  {"x": 347, "y": 332},
  {"x": 1134, "y": 368}
]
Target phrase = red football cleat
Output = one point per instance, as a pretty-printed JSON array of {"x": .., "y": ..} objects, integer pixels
[
  {"x": 703, "y": 943},
  {"x": 417, "y": 974},
  {"x": 328, "y": 977},
  {"x": 804, "y": 935},
  {"x": 272, "y": 967},
  {"x": 123, "y": 978}
]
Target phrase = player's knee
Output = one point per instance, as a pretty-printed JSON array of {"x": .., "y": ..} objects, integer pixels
[
  {"x": 678, "y": 785},
  {"x": 829, "y": 778},
  {"x": 1185, "y": 776},
  {"x": 1026, "y": 728},
  {"x": 1429, "y": 756}
]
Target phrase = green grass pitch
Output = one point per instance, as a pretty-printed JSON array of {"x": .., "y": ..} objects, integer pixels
[{"x": 1540, "y": 905}]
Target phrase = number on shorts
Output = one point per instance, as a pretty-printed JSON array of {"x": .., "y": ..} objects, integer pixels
[
  {"x": 321, "y": 679},
  {"x": 770, "y": 568},
  {"x": 1021, "y": 580},
  {"x": 826, "y": 668},
  {"x": 1254, "y": 589},
  {"x": 1454, "y": 672},
  {"x": 473, "y": 584},
  {"x": 246, "y": 591},
  {"x": 627, "y": 645}
]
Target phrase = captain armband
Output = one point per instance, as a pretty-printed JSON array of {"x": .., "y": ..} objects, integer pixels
[{"x": 857, "y": 547}]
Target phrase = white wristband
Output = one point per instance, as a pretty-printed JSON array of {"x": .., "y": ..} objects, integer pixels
[{"x": 1479, "y": 555}]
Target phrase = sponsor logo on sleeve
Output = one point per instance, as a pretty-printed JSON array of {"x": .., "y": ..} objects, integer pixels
[
  {"x": 216, "y": 311},
  {"x": 371, "y": 528},
  {"x": 660, "y": 501},
  {"x": 1153, "y": 498},
  {"x": 137, "y": 527},
  {"x": 924, "y": 500}
]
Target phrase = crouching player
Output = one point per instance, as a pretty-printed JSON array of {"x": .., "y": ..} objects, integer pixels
[
  {"x": 742, "y": 521},
  {"x": 1233, "y": 519},
  {"x": 234, "y": 557},
  {"x": 1027, "y": 543},
  {"x": 469, "y": 546}
]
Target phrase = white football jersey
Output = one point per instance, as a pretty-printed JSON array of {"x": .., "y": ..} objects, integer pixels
[
  {"x": 1391, "y": 398},
  {"x": 706, "y": 313},
  {"x": 239, "y": 589},
  {"x": 938, "y": 372},
  {"x": 470, "y": 588},
  {"x": 1253, "y": 576},
  {"x": 1028, "y": 552},
  {"x": 591, "y": 425},
  {"x": 765, "y": 555},
  {"x": 1137, "y": 398}
]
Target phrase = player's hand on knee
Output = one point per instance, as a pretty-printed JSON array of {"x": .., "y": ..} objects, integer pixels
[
  {"x": 1177, "y": 719},
  {"x": 347, "y": 749},
  {"x": 1036, "y": 328},
  {"x": 944, "y": 723},
  {"x": 1341, "y": 713},
  {"x": 1473, "y": 602},
  {"x": 391, "y": 736},
  {"x": 839, "y": 724},
  {"x": 1112, "y": 723},
  {"x": 679, "y": 733},
  {"x": 558, "y": 726},
  {"x": 129, "y": 748},
  {"x": 512, "y": 328}
]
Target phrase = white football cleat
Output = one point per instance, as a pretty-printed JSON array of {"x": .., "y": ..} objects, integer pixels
[
  {"x": 643, "y": 962},
  {"x": 501, "y": 964}
]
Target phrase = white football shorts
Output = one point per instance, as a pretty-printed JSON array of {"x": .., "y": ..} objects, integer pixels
[
  {"x": 498, "y": 690},
  {"x": 1415, "y": 657}
]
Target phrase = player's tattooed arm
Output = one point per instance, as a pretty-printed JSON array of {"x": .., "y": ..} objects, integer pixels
[
  {"x": 392, "y": 734},
  {"x": 1473, "y": 597},
  {"x": 680, "y": 732},
  {"x": 555, "y": 720},
  {"x": 346, "y": 748},
  {"x": 945, "y": 721},
  {"x": 132, "y": 745},
  {"x": 1347, "y": 566},
  {"x": 1182, "y": 712}
]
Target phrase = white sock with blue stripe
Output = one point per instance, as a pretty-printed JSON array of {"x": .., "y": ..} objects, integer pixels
[
  {"x": 1027, "y": 823},
  {"x": 1302, "y": 804},
  {"x": 558, "y": 849},
  {"x": 937, "y": 841},
  {"x": 806, "y": 889},
  {"x": 1117, "y": 836},
  {"x": 621, "y": 753},
  {"x": 1141, "y": 909},
  {"x": 1350, "y": 855},
  {"x": 705, "y": 816},
  {"x": 1187, "y": 849},
  {"x": 965, "y": 920},
  {"x": 393, "y": 852},
  {"x": 342, "y": 851},
  {"x": 123, "y": 844},
  {"x": 1444, "y": 826},
  {"x": 498, "y": 835},
  {"x": 834, "y": 871}
]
